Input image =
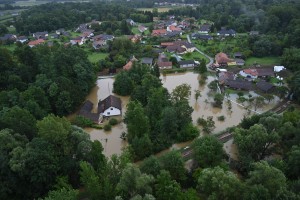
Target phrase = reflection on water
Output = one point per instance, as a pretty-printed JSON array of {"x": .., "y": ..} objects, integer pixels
[{"x": 113, "y": 144}]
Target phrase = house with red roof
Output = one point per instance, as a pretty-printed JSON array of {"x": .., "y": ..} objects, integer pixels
[
  {"x": 78, "y": 40},
  {"x": 249, "y": 73},
  {"x": 159, "y": 32},
  {"x": 173, "y": 28},
  {"x": 35, "y": 42}
]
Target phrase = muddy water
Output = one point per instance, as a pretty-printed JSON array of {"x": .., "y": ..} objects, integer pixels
[
  {"x": 110, "y": 140},
  {"x": 113, "y": 144}
]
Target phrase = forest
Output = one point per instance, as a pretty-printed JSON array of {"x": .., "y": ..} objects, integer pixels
[{"x": 43, "y": 156}]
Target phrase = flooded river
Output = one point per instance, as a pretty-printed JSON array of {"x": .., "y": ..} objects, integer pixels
[{"x": 113, "y": 144}]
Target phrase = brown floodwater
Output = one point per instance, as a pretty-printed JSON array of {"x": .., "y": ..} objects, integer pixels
[{"x": 113, "y": 144}]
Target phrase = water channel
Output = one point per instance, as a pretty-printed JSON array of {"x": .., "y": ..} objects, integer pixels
[{"x": 113, "y": 144}]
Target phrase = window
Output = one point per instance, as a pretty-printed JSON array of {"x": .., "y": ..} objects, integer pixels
[
  {"x": 108, "y": 113},
  {"x": 111, "y": 108}
]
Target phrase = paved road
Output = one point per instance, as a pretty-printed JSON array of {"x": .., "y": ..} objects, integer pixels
[{"x": 211, "y": 60}]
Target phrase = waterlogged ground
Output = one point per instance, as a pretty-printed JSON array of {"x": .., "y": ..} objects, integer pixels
[{"x": 113, "y": 144}]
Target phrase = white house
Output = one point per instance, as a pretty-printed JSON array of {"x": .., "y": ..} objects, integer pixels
[
  {"x": 110, "y": 106},
  {"x": 187, "y": 64},
  {"x": 249, "y": 73}
]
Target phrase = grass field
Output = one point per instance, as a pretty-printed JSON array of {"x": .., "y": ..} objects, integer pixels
[
  {"x": 29, "y": 3},
  {"x": 160, "y": 10},
  {"x": 95, "y": 56},
  {"x": 263, "y": 61}
]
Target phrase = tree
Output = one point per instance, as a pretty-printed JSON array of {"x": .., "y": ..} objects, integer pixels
[
  {"x": 197, "y": 94},
  {"x": 257, "y": 102},
  {"x": 295, "y": 84},
  {"x": 142, "y": 146},
  {"x": 125, "y": 30},
  {"x": 272, "y": 179},
  {"x": 293, "y": 163},
  {"x": 202, "y": 67},
  {"x": 3, "y": 29},
  {"x": 133, "y": 182},
  {"x": 216, "y": 183},
  {"x": 151, "y": 165},
  {"x": 19, "y": 120},
  {"x": 62, "y": 194},
  {"x": 218, "y": 98},
  {"x": 181, "y": 92},
  {"x": 56, "y": 131},
  {"x": 135, "y": 115},
  {"x": 208, "y": 151},
  {"x": 166, "y": 188},
  {"x": 173, "y": 162},
  {"x": 123, "y": 85},
  {"x": 291, "y": 58},
  {"x": 254, "y": 144}
]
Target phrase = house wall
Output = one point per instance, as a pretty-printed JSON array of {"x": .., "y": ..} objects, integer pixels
[
  {"x": 242, "y": 73},
  {"x": 112, "y": 111},
  {"x": 187, "y": 66}
]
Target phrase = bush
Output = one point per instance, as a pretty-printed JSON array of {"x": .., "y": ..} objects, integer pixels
[
  {"x": 82, "y": 122},
  {"x": 113, "y": 121},
  {"x": 221, "y": 118},
  {"x": 240, "y": 94},
  {"x": 107, "y": 127}
]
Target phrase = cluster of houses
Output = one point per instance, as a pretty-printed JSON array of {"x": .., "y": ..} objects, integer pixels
[
  {"x": 205, "y": 30},
  {"x": 170, "y": 28},
  {"x": 108, "y": 107},
  {"x": 250, "y": 78}
]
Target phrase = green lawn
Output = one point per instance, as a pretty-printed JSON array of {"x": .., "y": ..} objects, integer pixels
[
  {"x": 30, "y": 3},
  {"x": 263, "y": 61},
  {"x": 96, "y": 56},
  {"x": 135, "y": 30}
]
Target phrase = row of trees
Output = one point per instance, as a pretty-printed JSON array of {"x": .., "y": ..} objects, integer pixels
[{"x": 50, "y": 17}]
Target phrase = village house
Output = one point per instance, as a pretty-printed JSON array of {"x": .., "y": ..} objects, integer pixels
[
  {"x": 180, "y": 47},
  {"x": 239, "y": 84},
  {"x": 255, "y": 73},
  {"x": 130, "y": 22},
  {"x": 35, "y": 42},
  {"x": 93, "y": 22},
  {"x": 22, "y": 39},
  {"x": 264, "y": 86},
  {"x": 225, "y": 76},
  {"x": 134, "y": 38},
  {"x": 147, "y": 61},
  {"x": 78, "y": 40},
  {"x": 163, "y": 62},
  {"x": 254, "y": 33},
  {"x": 249, "y": 73},
  {"x": 87, "y": 34},
  {"x": 172, "y": 34},
  {"x": 60, "y": 31},
  {"x": 86, "y": 111},
  {"x": 142, "y": 28},
  {"x": 205, "y": 29},
  {"x": 103, "y": 37},
  {"x": 54, "y": 36},
  {"x": 201, "y": 36},
  {"x": 8, "y": 37},
  {"x": 129, "y": 64},
  {"x": 239, "y": 62},
  {"x": 225, "y": 33},
  {"x": 40, "y": 35},
  {"x": 173, "y": 28},
  {"x": 159, "y": 32},
  {"x": 98, "y": 44},
  {"x": 110, "y": 106},
  {"x": 187, "y": 64},
  {"x": 222, "y": 60},
  {"x": 81, "y": 28}
]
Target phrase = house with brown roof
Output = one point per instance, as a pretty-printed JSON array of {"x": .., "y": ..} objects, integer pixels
[
  {"x": 225, "y": 76},
  {"x": 142, "y": 28},
  {"x": 173, "y": 28},
  {"x": 222, "y": 60},
  {"x": 35, "y": 42},
  {"x": 78, "y": 40},
  {"x": 163, "y": 62},
  {"x": 264, "y": 86},
  {"x": 110, "y": 106}
]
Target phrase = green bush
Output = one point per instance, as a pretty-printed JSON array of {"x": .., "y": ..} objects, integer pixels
[
  {"x": 107, "y": 127},
  {"x": 221, "y": 118},
  {"x": 113, "y": 121},
  {"x": 82, "y": 122}
]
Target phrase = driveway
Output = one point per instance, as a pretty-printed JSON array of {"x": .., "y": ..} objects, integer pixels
[{"x": 211, "y": 60}]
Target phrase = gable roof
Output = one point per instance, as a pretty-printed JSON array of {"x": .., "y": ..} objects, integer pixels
[
  {"x": 222, "y": 58},
  {"x": 186, "y": 62},
  {"x": 205, "y": 28},
  {"x": 265, "y": 71},
  {"x": 110, "y": 101},
  {"x": 36, "y": 42},
  {"x": 264, "y": 86},
  {"x": 148, "y": 61},
  {"x": 239, "y": 84},
  {"x": 225, "y": 76},
  {"x": 227, "y": 32},
  {"x": 86, "y": 109},
  {"x": 128, "y": 65}
]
